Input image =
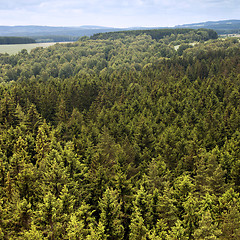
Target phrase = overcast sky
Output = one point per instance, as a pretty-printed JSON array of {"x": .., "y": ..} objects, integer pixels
[{"x": 116, "y": 13}]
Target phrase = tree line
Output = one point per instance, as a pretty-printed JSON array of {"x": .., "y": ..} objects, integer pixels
[
  {"x": 157, "y": 34},
  {"x": 16, "y": 40}
]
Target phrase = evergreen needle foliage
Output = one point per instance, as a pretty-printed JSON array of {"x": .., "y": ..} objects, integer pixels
[{"x": 131, "y": 135}]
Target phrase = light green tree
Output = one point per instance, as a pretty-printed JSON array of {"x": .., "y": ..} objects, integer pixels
[
  {"x": 110, "y": 216},
  {"x": 208, "y": 229}
]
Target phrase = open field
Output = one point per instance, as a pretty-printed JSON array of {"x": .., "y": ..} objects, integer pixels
[
  {"x": 230, "y": 35},
  {"x": 15, "y": 48}
]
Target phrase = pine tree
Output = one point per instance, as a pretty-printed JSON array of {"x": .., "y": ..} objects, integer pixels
[
  {"x": 61, "y": 114},
  {"x": 75, "y": 229},
  {"x": 9, "y": 187},
  {"x": 217, "y": 181},
  {"x": 231, "y": 223},
  {"x": 21, "y": 214},
  {"x": 52, "y": 173},
  {"x": 3, "y": 171},
  {"x": 20, "y": 114},
  {"x": 143, "y": 203},
  {"x": 8, "y": 115},
  {"x": 159, "y": 232},
  {"x": 158, "y": 173},
  {"x": 1, "y": 219},
  {"x": 190, "y": 215},
  {"x": 167, "y": 208},
  {"x": 110, "y": 216},
  {"x": 42, "y": 147},
  {"x": 33, "y": 119},
  {"x": 201, "y": 176},
  {"x": 138, "y": 230},
  {"x": 207, "y": 230},
  {"x": 65, "y": 205},
  {"x": 20, "y": 157},
  {"x": 97, "y": 232},
  {"x": 82, "y": 223},
  {"x": 183, "y": 186},
  {"x": 47, "y": 217},
  {"x": 27, "y": 183},
  {"x": 177, "y": 232},
  {"x": 33, "y": 234}
]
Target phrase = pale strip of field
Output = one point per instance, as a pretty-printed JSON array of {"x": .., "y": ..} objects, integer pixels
[
  {"x": 15, "y": 48},
  {"x": 192, "y": 44}
]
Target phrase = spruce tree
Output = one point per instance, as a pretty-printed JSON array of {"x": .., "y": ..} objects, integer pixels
[
  {"x": 207, "y": 229},
  {"x": 111, "y": 215}
]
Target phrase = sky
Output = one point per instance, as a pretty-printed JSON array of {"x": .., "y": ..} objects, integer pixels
[{"x": 116, "y": 13}]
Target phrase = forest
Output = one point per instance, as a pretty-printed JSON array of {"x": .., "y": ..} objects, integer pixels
[
  {"x": 157, "y": 34},
  {"x": 16, "y": 40},
  {"x": 126, "y": 137}
]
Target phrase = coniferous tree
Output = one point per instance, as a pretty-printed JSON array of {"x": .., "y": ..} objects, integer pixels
[
  {"x": 138, "y": 229},
  {"x": 110, "y": 216},
  {"x": 33, "y": 119},
  {"x": 207, "y": 228}
]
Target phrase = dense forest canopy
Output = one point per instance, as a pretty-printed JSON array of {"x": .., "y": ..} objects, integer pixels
[
  {"x": 157, "y": 34},
  {"x": 121, "y": 138}
]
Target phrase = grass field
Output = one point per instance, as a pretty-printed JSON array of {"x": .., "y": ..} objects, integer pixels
[{"x": 15, "y": 48}]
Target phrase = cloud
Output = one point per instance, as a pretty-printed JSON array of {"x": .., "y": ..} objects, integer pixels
[
  {"x": 14, "y": 4},
  {"x": 92, "y": 5},
  {"x": 115, "y": 12}
]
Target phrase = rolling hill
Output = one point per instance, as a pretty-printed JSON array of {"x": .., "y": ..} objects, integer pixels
[
  {"x": 50, "y": 33},
  {"x": 221, "y": 27}
]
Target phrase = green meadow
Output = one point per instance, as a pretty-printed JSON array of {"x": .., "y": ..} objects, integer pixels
[{"x": 15, "y": 48}]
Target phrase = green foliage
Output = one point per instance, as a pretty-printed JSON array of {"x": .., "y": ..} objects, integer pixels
[
  {"x": 158, "y": 34},
  {"x": 207, "y": 229},
  {"x": 122, "y": 137},
  {"x": 110, "y": 216}
]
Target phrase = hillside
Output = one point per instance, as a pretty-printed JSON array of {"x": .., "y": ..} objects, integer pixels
[
  {"x": 47, "y": 30},
  {"x": 158, "y": 34},
  {"x": 47, "y": 33},
  {"x": 122, "y": 137},
  {"x": 221, "y": 27}
]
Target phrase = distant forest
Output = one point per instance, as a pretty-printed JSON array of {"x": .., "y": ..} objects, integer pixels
[
  {"x": 157, "y": 34},
  {"x": 16, "y": 40},
  {"x": 131, "y": 135},
  {"x": 221, "y": 27}
]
